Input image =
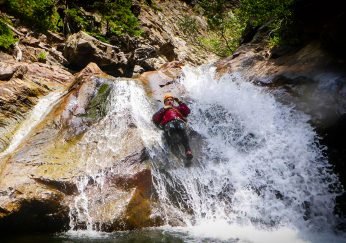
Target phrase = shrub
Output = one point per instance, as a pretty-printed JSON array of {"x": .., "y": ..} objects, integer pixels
[
  {"x": 228, "y": 21},
  {"x": 118, "y": 17},
  {"x": 277, "y": 14},
  {"x": 40, "y": 14},
  {"x": 224, "y": 25},
  {"x": 75, "y": 20},
  {"x": 6, "y": 36}
]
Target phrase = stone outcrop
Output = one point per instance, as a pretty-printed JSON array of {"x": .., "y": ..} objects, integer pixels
[
  {"x": 41, "y": 180},
  {"x": 21, "y": 86},
  {"x": 81, "y": 49},
  {"x": 163, "y": 41},
  {"x": 162, "y": 30}
]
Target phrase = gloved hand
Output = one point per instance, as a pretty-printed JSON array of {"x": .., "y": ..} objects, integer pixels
[
  {"x": 177, "y": 100},
  {"x": 167, "y": 107}
]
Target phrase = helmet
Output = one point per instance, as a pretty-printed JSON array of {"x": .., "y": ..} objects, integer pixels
[{"x": 167, "y": 95}]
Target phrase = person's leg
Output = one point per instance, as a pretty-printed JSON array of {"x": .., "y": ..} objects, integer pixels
[
  {"x": 168, "y": 129},
  {"x": 181, "y": 129}
]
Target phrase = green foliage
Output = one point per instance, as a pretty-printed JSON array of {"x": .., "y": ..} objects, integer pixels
[
  {"x": 42, "y": 56},
  {"x": 75, "y": 19},
  {"x": 275, "y": 13},
  {"x": 99, "y": 36},
  {"x": 225, "y": 27},
  {"x": 41, "y": 14},
  {"x": 118, "y": 17},
  {"x": 6, "y": 36},
  {"x": 223, "y": 42},
  {"x": 258, "y": 12},
  {"x": 227, "y": 23}
]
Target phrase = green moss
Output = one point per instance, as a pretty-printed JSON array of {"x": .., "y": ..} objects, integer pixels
[{"x": 98, "y": 104}]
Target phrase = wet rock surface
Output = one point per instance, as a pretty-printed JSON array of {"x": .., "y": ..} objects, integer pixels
[
  {"x": 21, "y": 86},
  {"x": 46, "y": 170}
]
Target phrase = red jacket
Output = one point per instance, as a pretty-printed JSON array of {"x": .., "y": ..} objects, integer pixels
[{"x": 164, "y": 116}]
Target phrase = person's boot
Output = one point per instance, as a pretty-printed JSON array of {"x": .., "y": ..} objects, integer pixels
[{"x": 188, "y": 154}]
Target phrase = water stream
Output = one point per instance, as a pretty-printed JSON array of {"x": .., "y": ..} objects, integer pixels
[{"x": 259, "y": 173}]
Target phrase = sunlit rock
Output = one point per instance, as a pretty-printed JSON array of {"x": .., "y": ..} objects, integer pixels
[{"x": 86, "y": 159}]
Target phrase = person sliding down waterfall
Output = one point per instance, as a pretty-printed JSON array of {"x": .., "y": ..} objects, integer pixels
[{"x": 172, "y": 119}]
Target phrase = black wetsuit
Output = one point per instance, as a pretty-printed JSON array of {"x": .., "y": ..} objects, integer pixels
[{"x": 179, "y": 127}]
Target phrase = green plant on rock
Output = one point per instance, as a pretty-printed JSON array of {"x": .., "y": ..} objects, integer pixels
[
  {"x": 97, "y": 107},
  {"x": 225, "y": 27},
  {"x": 42, "y": 56},
  {"x": 227, "y": 21},
  {"x": 6, "y": 36}
]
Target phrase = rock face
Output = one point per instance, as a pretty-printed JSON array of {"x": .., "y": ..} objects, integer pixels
[
  {"x": 21, "y": 86},
  {"x": 163, "y": 30},
  {"x": 81, "y": 49},
  {"x": 163, "y": 41},
  {"x": 60, "y": 163},
  {"x": 51, "y": 161}
]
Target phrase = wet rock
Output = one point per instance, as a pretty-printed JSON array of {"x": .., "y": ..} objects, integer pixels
[
  {"x": 65, "y": 187},
  {"x": 25, "y": 85},
  {"x": 46, "y": 169},
  {"x": 35, "y": 216}
]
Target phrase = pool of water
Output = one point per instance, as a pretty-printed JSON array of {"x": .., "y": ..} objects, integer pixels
[{"x": 207, "y": 233}]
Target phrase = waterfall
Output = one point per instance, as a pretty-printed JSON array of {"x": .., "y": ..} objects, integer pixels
[
  {"x": 127, "y": 105},
  {"x": 260, "y": 163}
]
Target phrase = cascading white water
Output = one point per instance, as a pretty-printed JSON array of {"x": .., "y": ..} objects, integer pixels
[
  {"x": 261, "y": 165},
  {"x": 127, "y": 104}
]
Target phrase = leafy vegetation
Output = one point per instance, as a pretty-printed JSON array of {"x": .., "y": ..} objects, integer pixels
[
  {"x": 277, "y": 14},
  {"x": 75, "y": 19},
  {"x": 70, "y": 16},
  {"x": 42, "y": 56},
  {"x": 6, "y": 36},
  {"x": 189, "y": 26},
  {"x": 41, "y": 14},
  {"x": 227, "y": 21},
  {"x": 118, "y": 17}
]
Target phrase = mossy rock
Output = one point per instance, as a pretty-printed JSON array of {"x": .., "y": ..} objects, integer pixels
[{"x": 97, "y": 107}]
